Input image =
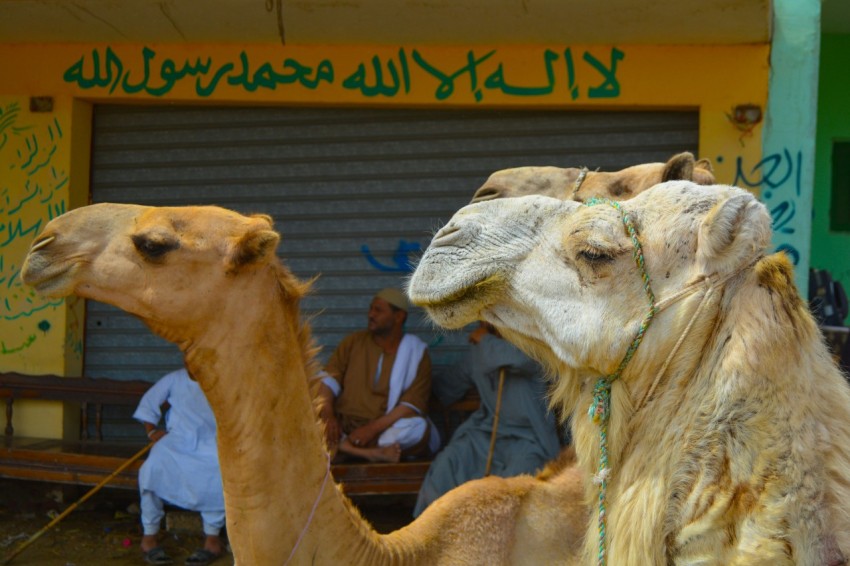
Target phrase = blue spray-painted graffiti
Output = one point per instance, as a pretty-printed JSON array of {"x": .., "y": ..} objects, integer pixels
[
  {"x": 779, "y": 176},
  {"x": 387, "y": 77},
  {"x": 402, "y": 262}
]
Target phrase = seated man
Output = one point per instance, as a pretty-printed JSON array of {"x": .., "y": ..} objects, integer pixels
[
  {"x": 182, "y": 467},
  {"x": 374, "y": 394},
  {"x": 527, "y": 436}
]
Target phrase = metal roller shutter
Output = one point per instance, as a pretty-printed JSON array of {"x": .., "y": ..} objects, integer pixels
[{"x": 356, "y": 193}]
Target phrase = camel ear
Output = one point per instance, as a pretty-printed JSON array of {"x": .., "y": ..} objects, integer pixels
[
  {"x": 263, "y": 217},
  {"x": 704, "y": 164},
  {"x": 679, "y": 167},
  {"x": 253, "y": 246},
  {"x": 734, "y": 231},
  {"x": 703, "y": 172}
]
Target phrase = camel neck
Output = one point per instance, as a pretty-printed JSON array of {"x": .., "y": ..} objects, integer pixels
[{"x": 273, "y": 460}]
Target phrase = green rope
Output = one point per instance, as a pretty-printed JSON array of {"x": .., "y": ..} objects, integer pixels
[{"x": 600, "y": 409}]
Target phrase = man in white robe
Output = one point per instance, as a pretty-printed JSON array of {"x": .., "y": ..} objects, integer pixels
[{"x": 182, "y": 467}]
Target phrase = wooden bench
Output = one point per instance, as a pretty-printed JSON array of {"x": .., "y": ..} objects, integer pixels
[{"x": 90, "y": 459}]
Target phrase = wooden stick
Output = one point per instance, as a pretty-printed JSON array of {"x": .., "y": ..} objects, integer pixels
[
  {"x": 67, "y": 511},
  {"x": 495, "y": 421}
]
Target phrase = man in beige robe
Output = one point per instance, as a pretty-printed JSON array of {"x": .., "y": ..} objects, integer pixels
[{"x": 374, "y": 394}]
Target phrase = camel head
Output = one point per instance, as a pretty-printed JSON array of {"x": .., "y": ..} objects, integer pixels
[
  {"x": 560, "y": 183},
  {"x": 171, "y": 266},
  {"x": 559, "y": 277}
]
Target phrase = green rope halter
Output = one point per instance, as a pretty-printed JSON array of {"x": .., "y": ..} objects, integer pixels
[{"x": 600, "y": 409}]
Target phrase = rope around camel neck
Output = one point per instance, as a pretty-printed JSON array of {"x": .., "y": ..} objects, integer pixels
[
  {"x": 312, "y": 511},
  {"x": 707, "y": 282},
  {"x": 600, "y": 408}
]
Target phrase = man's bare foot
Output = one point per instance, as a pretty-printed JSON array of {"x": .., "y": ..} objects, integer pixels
[{"x": 390, "y": 453}]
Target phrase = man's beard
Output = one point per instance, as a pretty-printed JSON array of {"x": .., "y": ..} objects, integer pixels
[{"x": 381, "y": 331}]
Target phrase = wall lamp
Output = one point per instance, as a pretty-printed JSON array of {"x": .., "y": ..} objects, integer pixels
[{"x": 745, "y": 117}]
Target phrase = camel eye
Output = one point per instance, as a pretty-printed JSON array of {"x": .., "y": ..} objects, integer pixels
[
  {"x": 154, "y": 247},
  {"x": 596, "y": 256}
]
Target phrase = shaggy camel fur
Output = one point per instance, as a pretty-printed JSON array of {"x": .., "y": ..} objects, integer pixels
[
  {"x": 561, "y": 183},
  {"x": 729, "y": 431},
  {"x": 208, "y": 280}
]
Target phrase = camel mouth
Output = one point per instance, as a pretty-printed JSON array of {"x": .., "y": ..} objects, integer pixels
[
  {"x": 46, "y": 278},
  {"x": 454, "y": 298},
  {"x": 461, "y": 305},
  {"x": 437, "y": 299}
]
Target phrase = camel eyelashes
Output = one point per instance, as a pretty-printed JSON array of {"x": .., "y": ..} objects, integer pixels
[
  {"x": 152, "y": 247},
  {"x": 595, "y": 256}
]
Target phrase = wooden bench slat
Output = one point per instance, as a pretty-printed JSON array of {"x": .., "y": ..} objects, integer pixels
[
  {"x": 88, "y": 462},
  {"x": 75, "y": 389},
  {"x": 375, "y": 479},
  {"x": 46, "y": 460},
  {"x": 50, "y": 460}
]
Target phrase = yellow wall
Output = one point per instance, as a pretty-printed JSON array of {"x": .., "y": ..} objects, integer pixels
[
  {"x": 44, "y": 156},
  {"x": 44, "y": 163}
]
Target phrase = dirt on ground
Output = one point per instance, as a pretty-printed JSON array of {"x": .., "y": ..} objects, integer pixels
[{"x": 105, "y": 529}]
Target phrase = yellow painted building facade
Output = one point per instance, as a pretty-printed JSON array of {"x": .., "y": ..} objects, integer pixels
[{"x": 47, "y": 93}]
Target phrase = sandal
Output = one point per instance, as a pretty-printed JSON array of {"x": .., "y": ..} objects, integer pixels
[
  {"x": 201, "y": 557},
  {"x": 157, "y": 555}
]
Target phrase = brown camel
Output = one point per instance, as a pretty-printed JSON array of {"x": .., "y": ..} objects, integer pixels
[
  {"x": 208, "y": 280},
  {"x": 572, "y": 183},
  {"x": 705, "y": 403}
]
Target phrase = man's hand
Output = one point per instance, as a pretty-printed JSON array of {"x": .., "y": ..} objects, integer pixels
[
  {"x": 154, "y": 434},
  {"x": 476, "y": 335},
  {"x": 157, "y": 434},
  {"x": 364, "y": 435}
]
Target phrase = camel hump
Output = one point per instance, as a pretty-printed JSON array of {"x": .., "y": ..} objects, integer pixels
[{"x": 565, "y": 459}]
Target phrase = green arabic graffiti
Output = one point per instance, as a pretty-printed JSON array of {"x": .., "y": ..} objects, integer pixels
[
  {"x": 29, "y": 197},
  {"x": 610, "y": 88},
  {"x": 385, "y": 77},
  {"x": 359, "y": 80},
  {"x": 27, "y": 343}
]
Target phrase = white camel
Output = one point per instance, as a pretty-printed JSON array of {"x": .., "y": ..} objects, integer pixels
[{"x": 704, "y": 400}]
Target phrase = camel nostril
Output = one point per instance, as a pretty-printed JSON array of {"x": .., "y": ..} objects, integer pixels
[
  {"x": 486, "y": 193},
  {"x": 446, "y": 231},
  {"x": 455, "y": 234},
  {"x": 38, "y": 244}
]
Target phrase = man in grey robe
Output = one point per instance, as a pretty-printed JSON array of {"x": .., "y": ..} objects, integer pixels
[{"x": 527, "y": 431}]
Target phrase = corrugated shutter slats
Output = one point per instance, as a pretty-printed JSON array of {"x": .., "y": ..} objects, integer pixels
[{"x": 336, "y": 180}]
